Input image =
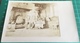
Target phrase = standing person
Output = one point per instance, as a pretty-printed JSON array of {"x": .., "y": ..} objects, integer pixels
[{"x": 32, "y": 16}]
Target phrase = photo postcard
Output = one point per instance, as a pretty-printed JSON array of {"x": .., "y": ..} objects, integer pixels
[{"x": 40, "y": 21}]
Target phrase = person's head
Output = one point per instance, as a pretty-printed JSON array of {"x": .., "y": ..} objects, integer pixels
[{"x": 34, "y": 8}]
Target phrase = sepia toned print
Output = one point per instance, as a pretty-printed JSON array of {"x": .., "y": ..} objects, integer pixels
[{"x": 33, "y": 20}]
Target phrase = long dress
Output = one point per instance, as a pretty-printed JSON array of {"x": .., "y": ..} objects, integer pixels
[{"x": 32, "y": 17}]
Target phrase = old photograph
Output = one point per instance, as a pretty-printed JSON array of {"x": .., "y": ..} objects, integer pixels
[
  {"x": 33, "y": 20},
  {"x": 39, "y": 21}
]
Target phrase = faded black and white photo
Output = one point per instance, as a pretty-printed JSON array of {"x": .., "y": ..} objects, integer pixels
[
  {"x": 33, "y": 19},
  {"x": 39, "y": 21}
]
